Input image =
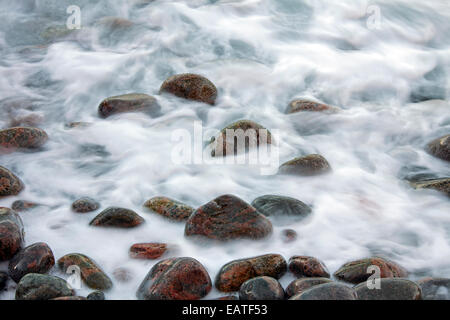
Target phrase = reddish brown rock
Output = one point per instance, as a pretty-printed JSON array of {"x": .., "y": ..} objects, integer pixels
[
  {"x": 169, "y": 208},
  {"x": 132, "y": 102},
  {"x": 23, "y": 205},
  {"x": 90, "y": 272},
  {"x": 84, "y": 205},
  {"x": 11, "y": 233},
  {"x": 357, "y": 271},
  {"x": 10, "y": 184},
  {"x": 310, "y": 165},
  {"x": 228, "y": 217},
  {"x": 232, "y": 275},
  {"x": 244, "y": 134},
  {"x": 117, "y": 217},
  {"x": 303, "y": 266},
  {"x": 440, "y": 147},
  {"x": 147, "y": 250},
  {"x": 192, "y": 87},
  {"x": 307, "y": 105},
  {"x": 36, "y": 258},
  {"x": 22, "y": 138},
  {"x": 298, "y": 286},
  {"x": 175, "y": 279}
]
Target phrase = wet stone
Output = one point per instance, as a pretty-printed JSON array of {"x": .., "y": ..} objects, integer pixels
[
  {"x": 233, "y": 274},
  {"x": 299, "y": 105},
  {"x": 77, "y": 124},
  {"x": 11, "y": 233},
  {"x": 122, "y": 275},
  {"x": 35, "y": 286},
  {"x": 90, "y": 272},
  {"x": 10, "y": 184},
  {"x": 245, "y": 134},
  {"x": 169, "y": 208},
  {"x": 22, "y": 138},
  {"x": 191, "y": 87},
  {"x": 390, "y": 289},
  {"x": 435, "y": 288},
  {"x": 288, "y": 235},
  {"x": 272, "y": 205},
  {"x": 442, "y": 185},
  {"x": 117, "y": 217},
  {"x": 96, "y": 295},
  {"x": 303, "y": 266},
  {"x": 440, "y": 147},
  {"x": 147, "y": 250},
  {"x": 133, "y": 102},
  {"x": 327, "y": 291},
  {"x": 357, "y": 271},
  {"x": 228, "y": 217},
  {"x": 23, "y": 205},
  {"x": 3, "y": 280},
  {"x": 84, "y": 205},
  {"x": 175, "y": 279},
  {"x": 298, "y": 286},
  {"x": 36, "y": 258},
  {"x": 261, "y": 288},
  {"x": 310, "y": 165}
]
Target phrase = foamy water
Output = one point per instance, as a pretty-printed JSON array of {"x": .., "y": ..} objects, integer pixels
[{"x": 260, "y": 54}]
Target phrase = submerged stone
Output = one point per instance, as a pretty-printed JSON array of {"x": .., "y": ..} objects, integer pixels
[
  {"x": 273, "y": 205},
  {"x": 132, "y": 102},
  {"x": 440, "y": 147},
  {"x": 239, "y": 137},
  {"x": 442, "y": 185},
  {"x": 299, "y": 105}
]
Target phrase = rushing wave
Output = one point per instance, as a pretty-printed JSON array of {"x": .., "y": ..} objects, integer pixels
[{"x": 388, "y": 76}]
